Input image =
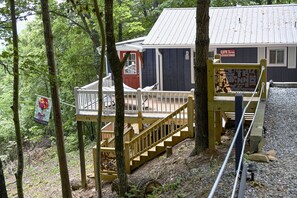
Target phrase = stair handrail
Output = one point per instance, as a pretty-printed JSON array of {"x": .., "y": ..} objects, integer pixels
[
  {"x": 152, "y": 127},
  {"x": 128, "y": 134}
]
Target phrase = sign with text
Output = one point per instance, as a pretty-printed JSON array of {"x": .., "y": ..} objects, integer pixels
[{"x": 227, "y": 53}]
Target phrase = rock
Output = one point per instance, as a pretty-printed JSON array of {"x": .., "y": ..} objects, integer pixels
[
  {"x": 272, "y": 158},
  {"x": 272, "y": 153},
  {"x": 259, "y": 157},
  {"x": 225, "y": 138},
  {"x": 75, "y": 184}
]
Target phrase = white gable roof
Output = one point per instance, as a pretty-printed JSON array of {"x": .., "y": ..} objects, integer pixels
[
  {"x": 132, "y": 44},
  {"x": 229, "y": 26}
]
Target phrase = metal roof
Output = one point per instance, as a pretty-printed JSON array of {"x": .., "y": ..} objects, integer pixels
[
  {"x": 229, "y": 26},
  {"x": 132, "y": 44}
]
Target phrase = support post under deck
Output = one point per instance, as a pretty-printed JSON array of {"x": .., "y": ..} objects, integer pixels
[{"x": 81, "y": 154}]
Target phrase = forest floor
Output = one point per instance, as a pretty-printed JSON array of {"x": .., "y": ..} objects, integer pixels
[{"x": 180, "y": 175}]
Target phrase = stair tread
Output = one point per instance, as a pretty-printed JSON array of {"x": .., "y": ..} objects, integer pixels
[
  {"x": 145, "y": 154},
  {"x": 136, "y": 158},
  {"x": 169, "y": 139},
  {"x": 161, "y": 144},
  {"x": 178, "y": 134},
  {"x": 153, "y": 149}
]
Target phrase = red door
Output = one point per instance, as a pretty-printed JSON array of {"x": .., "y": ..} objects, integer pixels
[{"x": 131, "y": 69}]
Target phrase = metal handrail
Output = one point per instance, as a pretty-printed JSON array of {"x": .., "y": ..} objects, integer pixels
[
  {"x": 211, "y": 194},
  {"x": 244, "y": 142}
]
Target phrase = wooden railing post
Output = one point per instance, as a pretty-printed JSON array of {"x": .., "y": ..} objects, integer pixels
[
  {"x": 76, "y": 100},
  {"x": 140, "y": 107},
  {"x": 218, "y": 57},
  {"x": 127, "y": 158},
  {"x": 263, "y": 63},
  {"x": 192, "y": 92},
  {"x": 191, "y": 115}
]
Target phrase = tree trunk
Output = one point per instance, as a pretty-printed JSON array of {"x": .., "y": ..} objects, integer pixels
[
  {"x": 48, "y": 37},
  {"x": 116, "y": 66},
  {"x": 15, "y": 106},
  {"x": 200, "y": 69},
  {"x": 3, "y": 192},
  {"x": 100, "y": 101}
]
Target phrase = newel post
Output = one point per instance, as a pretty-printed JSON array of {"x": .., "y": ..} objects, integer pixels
[
  {"x": 76, "y": 100},
  {"x": 191, "y": 115},
  {"x": 127, "y": 158},
  {"x": 140, "y": 107}
]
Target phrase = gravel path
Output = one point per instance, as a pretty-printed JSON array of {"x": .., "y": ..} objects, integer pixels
[{"x": 278, "y": 178}]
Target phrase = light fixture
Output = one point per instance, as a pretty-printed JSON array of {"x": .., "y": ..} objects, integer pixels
[{"x": 187, "y": 56}]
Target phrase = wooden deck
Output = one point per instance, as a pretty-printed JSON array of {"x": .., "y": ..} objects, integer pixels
[{"x": 148, "y": 106}]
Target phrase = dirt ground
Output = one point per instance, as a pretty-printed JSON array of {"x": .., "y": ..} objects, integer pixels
[{"x": 180, "y": 175}]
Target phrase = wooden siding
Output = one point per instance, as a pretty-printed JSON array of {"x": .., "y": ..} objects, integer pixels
[
  {"x": 283, "y": 74},
  {"x": 149, "y": 68},
  {"x": 176, "y": 69},
  {"x": 242, "y": 55}
]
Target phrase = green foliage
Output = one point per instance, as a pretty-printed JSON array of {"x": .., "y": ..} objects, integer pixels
[{"x": 170, "y": 186}]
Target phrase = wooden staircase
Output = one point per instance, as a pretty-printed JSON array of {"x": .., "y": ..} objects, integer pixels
[
  {"x": 149, "y": 143},
  {"x": 159, "y": 148}
]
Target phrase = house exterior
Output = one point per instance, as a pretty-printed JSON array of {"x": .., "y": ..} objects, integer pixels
[{"x": 241, "y": 34}]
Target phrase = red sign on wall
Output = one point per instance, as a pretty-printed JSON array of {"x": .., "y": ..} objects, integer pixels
[{"x": 227, "y": 53}]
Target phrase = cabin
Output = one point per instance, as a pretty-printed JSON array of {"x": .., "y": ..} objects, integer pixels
[
  {"x": 241, "y": 34},
  {"x": 158, "y": 119}
]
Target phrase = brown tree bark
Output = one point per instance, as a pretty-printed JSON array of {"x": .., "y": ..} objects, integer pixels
[
  {"x": 99, "y": 16},
  {"x": 3, "y": 192},
  {"x": 200, "y": 69},
  {"x": 15, "y": 106},
  {"x": 48, "y": 37},
  {"x": 116, "y": 66}
]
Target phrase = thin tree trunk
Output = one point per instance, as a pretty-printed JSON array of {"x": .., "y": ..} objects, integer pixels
[
  {"x": 3, "y": 192},
  {"x": 15, "y": 106},
  {"x": 99, "y": 117},
  {"x": 200, "y": 68},
  {"x": 48, "y": 37},
  {"x": 116, "y": 67}
]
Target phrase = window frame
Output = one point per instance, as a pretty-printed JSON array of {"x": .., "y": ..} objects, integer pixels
[
  {"x": 214, "y": 50},
  {"x": 284, "y": 49},
  {"x": 129, "y": 60}
]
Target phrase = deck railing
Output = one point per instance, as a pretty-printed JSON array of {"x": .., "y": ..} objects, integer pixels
[
  {"x": 106, "y": 82},
  {"x": 227, "y": 79},
  {"x": 135, "y": 100},
  {"x": 224, "y": 81}
]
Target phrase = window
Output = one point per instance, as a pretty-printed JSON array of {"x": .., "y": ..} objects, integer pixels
[
  {"x": 277, "y": 56},
  {"x": 130, "y": 65}
]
